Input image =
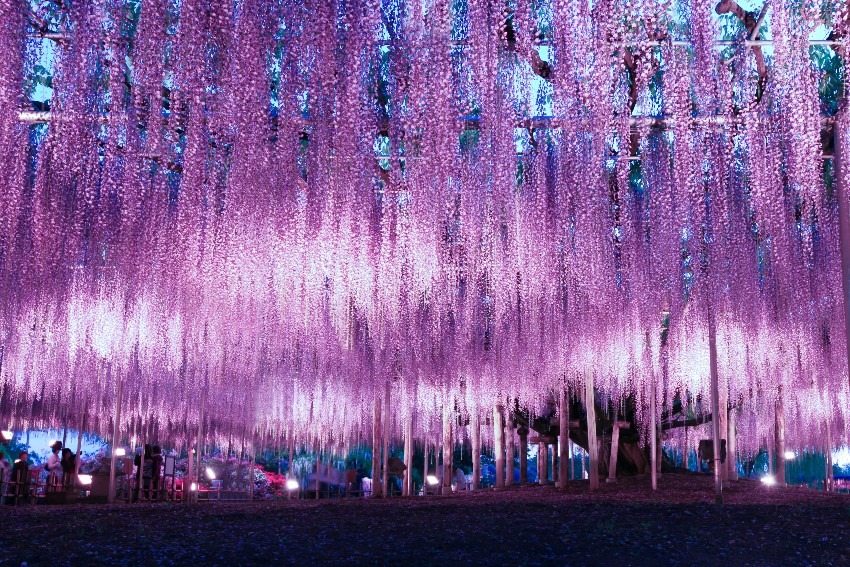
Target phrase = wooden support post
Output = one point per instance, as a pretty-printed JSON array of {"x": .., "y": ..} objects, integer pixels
[
  {"x": 116, "y": 438},
  {"x": 509, "y": 449},
  {"x": 251, "y": 474},
  {"x": 200, "y": 451},
  {"x": 841, "y": 198},
  {"x": 140, "y": 473},
  {"x": 523, "y": 454},
  {"x": 385, "y": 482},
  {"x": 715, "y": 405},
  {"x": 425, "y": 470},
  {"x": 542, "y": 464},
  {"x": 779, "y": 433},
  {"x": 498, "y": 450},
  {"x": 376, "y": 448},
  {"x": 615, "y": 449},
  {"x": 827, "y": 485},
  {"x": 553, "y": 463},
  {"x": 476, "y": 451},
  {"x": 408, "y": 454},
  {"x": 593, "y": 444},
  {"x": 653, "y": 408},
  {"x": 564, "y": 440},
  {"x": 448, "y": 448},
  {"x": 731, "y": 445},
  {"x": 189, "y": 494}
]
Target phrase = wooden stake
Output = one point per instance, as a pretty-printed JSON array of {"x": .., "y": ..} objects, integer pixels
[{"x": 653, "y": 408}]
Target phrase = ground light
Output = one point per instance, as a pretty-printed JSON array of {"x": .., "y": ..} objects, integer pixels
[
  {"x": 292, "y": 484},
  {"x": 433, "y": 480},
  {"x": 6, "y": 435},
  {"x": 210, "y": 474},
  {"x": 789, "y": 455},
  {"x": 768, "y": 480},
  {"x": 85, "y": 479},
  {"x": 120, "y": 452}
]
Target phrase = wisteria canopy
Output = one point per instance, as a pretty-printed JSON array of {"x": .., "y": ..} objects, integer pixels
[{"x": 288, "y": 209}]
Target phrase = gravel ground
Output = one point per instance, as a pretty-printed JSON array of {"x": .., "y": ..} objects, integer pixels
[{"x": 621, "y": 524}]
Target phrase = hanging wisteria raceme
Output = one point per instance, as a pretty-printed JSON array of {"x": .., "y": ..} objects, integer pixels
[{"x": 269, "y": 214}]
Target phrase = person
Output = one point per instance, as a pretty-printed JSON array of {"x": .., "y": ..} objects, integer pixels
[
  {"x": 21, "y": 477},
  {"x": 460, "y": 479},
  {"x": 68, "y": 464},
  {"x": 54, "y": 463}
]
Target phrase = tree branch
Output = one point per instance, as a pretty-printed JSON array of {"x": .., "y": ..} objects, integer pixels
[{"x": 753, "y": 26}]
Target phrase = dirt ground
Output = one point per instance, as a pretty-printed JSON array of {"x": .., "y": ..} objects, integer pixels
[{"x": 621, "y": 524}]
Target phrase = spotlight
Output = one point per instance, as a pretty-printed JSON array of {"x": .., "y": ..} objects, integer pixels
[
  {"x": 120, "y": 452},
  {"x": 789, "y": 455},
  {"x": 432, "y": 480},
  {"x": 193, "y": 487},
  {"x": 6, "y": 435},
  {"x": 210, "y": 474},
  {"x": 85, "y": 479},
  {"x": 292, "y": 484},
  {"x": 768, "y": 480}
]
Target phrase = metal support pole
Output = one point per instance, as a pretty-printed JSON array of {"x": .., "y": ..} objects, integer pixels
[
  {"x": 116, "y": 429},
  {"x": 715, "y": 405}
]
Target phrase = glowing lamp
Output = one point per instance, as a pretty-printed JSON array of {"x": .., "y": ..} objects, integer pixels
[
  {"x": 292, "y": 484},
  {"x": 789, "y": 455},
  {"x": 6, "y": 435},
  {"x": 85, "y": 479},
  {"x": 768, "y": 480},
  {"x": 210, "y": 474},
  {"x": 193, "y": 487},
  {"x": 120, "y": 452},
  {"x": 432, "y": 480}
]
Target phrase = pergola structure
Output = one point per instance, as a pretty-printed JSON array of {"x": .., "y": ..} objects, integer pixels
[{"x": 264, "y": 221}]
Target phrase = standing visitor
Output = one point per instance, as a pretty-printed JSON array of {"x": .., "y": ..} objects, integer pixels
[
  {"x": 54, "y": 464},
  {"x": 68, "y": 464}
]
